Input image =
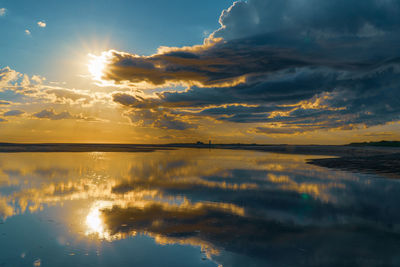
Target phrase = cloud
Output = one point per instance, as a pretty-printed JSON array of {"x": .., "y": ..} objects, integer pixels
[
  {"x": 16, "y": 87},
  {"x": 164, "y": 68},
  {"x": 311, "y": 98},
  {"x": 145, "y": 113},
  {"x": 27, "y": 32},
  {"x": 279, "y": 130},
  {"x": 125, "y": 99},
  {"x": 7, "y": 76},
  {"x": 3, "y": 12},
  {"x": 14, "y": 112},
  {"x": 31, "y": 93},
  {"x": 69, "y": 96},
  {"x": 52, "y": 115},
  {"x": 135, "y": 101},
  {"x": 41, "y": 24},
  {"x": 33, "y": 88},
  {"x": 311, "y": 17},
  {"x": 38, "y": 79},
  {"x": 159, "y": 118},
  {"x": 245, "y": 61},
  {"x": 306, "y": 65},
  {"x": 13, "y": 80},
  {"x": 268, "y": 36},
  {"x": 377, "y": 134}
]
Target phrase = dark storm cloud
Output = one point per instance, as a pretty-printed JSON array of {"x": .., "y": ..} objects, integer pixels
[
  {"x": 314, "y": 64},
  {"x": 309, "y": 97},
  {"x": 267, "y": 36},
  {"x": 240, "y": 109},
  {"x": 217, "y": 65},
  {"x": 340, "y": 17},
  {"x": 288, "y": 87},
  {"x": 228, "y": 63}
]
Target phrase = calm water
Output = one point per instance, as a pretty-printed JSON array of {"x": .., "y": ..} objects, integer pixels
[{"x": 192, "y": 208}]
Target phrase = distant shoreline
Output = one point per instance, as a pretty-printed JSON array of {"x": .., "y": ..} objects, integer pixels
[{"x": 383, "y": 161}]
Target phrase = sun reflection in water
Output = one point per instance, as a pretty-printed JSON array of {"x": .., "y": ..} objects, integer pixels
[{"x": 94, "y": 222}]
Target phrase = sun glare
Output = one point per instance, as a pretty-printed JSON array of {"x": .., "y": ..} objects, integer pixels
[
  {"x": 97, "y": 65},
  {"x": 94, "y": 222}
]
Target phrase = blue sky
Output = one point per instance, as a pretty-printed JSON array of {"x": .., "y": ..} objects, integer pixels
[{"x": 74, "y": 28}]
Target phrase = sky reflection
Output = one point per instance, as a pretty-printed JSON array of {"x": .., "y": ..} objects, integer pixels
[{"x": 232, "y": 206}]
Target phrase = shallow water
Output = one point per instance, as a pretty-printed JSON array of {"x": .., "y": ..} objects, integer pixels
[{"x": 193, "y": 207}]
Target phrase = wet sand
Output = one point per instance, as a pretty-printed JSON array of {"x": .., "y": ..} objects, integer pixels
[
  {"x": 383, "y": 161},
  {"x": 385, "y": 165}
]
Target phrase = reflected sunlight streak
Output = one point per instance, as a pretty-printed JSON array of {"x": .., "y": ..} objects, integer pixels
[{"x": 95, "y": 223}]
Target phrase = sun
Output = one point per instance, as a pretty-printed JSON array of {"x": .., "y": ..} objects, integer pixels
[{"x": 96, "y": 65}]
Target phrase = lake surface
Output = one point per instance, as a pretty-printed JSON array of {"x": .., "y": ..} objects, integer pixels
[{"x": 193, "y": 207}]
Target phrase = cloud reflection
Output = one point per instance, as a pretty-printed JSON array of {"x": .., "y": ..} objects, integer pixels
[{"x": 241, "y": 203}]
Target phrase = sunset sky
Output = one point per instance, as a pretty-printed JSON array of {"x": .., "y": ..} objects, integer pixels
[{"x": 256, "y": 71}]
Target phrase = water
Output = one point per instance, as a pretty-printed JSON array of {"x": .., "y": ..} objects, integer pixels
[{"x": 193, "y": 207}]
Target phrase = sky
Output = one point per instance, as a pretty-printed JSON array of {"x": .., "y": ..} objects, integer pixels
[{"x": 256, "y": 71}]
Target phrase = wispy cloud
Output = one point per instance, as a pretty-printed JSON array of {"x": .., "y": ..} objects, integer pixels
[
  {"x": 3, "y": 11},
  {"x": 27, "y": 32}
]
